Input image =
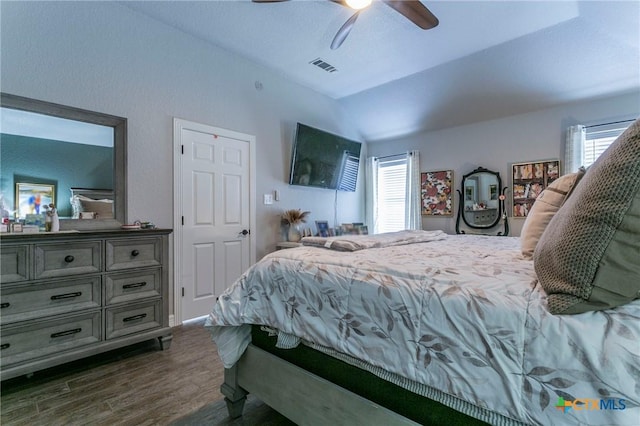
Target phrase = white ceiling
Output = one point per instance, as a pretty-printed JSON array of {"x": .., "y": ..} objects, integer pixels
[{"x": 486, "y": 59}]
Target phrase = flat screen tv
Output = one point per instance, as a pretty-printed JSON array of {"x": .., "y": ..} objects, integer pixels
[{"x": 324, "y": 160}]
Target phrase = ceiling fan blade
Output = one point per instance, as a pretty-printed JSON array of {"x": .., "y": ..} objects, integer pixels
[
  {"x": 268, "y": 1},
  {"x": 344, "y": 31},
  {"x": 414, "y": 11}
]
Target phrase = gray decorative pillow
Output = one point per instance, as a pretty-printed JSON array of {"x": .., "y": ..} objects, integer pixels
[
  {"x": 588, "y": 257},
  {"x": 544, "y": 208}
]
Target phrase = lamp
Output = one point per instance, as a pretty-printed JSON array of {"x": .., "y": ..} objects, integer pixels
[{"x": 358, "y": 4}]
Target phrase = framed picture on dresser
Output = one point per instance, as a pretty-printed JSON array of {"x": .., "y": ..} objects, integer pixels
[
  {"x": 31, "y": 198},
  {"x": 323, "y": 228}
]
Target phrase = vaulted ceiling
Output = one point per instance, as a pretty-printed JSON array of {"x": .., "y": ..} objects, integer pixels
[{"x": 485, "y": 59}]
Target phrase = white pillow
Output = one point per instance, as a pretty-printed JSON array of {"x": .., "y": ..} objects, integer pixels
[
  {"x": 544, "y": 208},
  {"x": 102, "y": 208}
]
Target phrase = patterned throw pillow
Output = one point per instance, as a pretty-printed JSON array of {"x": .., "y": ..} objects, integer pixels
[
  {"x": 544, "y": 208},
  {"x": 588, "y": 257}
]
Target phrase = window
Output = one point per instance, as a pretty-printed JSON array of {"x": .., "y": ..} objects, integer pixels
[
  {"x": 598, "y": 138},
  {"x": 391, "y": 194},
  {"x": 392, "y": 191}
]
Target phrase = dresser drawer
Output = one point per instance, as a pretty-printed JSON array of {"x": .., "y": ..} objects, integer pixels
[
  {"x": 72, "y": 258},
  {"x": 129, "y": 286},
  {"x": 14, "y": 263},
  {"x": 25, "y": 302},
  {"x": 38, "y": 339},
  {"x": 132, "y": 319},
  {"x": 133, "y": 253}
]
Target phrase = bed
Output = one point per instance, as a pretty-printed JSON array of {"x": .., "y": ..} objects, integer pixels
[
  {"x": 92, "y": 203},
  {"x": 474, "y": 324}
]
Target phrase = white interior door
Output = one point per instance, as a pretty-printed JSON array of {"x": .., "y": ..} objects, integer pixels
[{"x": 215, "y": 214}]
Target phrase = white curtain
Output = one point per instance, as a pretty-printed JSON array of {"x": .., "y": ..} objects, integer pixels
[
  {"x": 413, "y": 218},
  {"x": 574, "y": 148},
  {"x": 371, "y": 202}
]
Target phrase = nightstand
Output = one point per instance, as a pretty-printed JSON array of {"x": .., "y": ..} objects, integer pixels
[{"x": 287, "y": 244}]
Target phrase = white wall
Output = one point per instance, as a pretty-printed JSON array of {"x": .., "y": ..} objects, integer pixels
[
  {"x": 498, "y": 143},
  {"x": 104, "y": 57}
]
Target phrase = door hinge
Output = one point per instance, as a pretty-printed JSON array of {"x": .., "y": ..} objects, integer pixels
[
  {"x": 182, "y": 291},
  {"x": 182, "y": 149},
  {"x": 182, "y": 220}
]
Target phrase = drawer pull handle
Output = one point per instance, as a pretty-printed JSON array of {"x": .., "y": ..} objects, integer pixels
[
  {"x": 66, "y": 296},
  {"x": 5, "y": 346},
  {"x": 133, "y": 318},
  {"x": 66, "y": 333},
  {"x": 134, "y": 253},
  {"x": 69, "y": 258},
  {"x": 134, "y": 285},
  {"x": 4, "y": 305}
]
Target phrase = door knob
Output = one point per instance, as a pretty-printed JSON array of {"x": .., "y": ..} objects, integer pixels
[{"x": 244, "y": 233}]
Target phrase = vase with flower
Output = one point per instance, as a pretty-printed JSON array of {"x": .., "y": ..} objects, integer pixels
[{"x": 293, "y": 219}]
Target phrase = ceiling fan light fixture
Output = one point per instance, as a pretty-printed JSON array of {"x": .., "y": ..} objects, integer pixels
[{"x": 358, "y": 4}]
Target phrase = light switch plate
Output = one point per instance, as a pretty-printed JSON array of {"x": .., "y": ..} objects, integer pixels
[{"x": 268, "y": 198}]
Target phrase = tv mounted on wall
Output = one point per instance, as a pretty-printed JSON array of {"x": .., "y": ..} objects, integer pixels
[{"x": 324, "y": 160}]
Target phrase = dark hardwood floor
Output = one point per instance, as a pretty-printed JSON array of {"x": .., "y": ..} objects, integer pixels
[{"x": 137, "y": 385}]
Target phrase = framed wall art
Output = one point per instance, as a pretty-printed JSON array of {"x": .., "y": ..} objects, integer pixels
[
  {"x": 435, "y": 191},
  {"x": 528, "y": 181},
  {"x": 31, "y": 198}
]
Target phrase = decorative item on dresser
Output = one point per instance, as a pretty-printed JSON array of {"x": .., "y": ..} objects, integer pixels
[
  {"x": 70, "y": 295},
  {"x": 293, "y": 219}
]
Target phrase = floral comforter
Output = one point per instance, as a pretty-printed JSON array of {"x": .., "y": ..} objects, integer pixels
[{"x": 464, "y": 314}]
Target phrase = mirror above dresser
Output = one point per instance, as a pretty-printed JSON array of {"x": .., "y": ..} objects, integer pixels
[{"x": 71, "y": 157}]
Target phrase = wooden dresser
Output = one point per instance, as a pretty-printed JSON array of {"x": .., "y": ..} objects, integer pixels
[{"x": 68, "y": 295}]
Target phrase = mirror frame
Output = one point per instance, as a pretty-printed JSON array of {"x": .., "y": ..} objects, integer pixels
[
  {"x": 119, "y": 125},
  {"x": 501, "y": 208}
]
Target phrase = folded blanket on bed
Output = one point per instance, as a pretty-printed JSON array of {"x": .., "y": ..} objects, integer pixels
[{"x": 360, "y": 242}]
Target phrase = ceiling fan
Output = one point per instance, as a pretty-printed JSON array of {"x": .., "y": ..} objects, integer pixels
[{"x": 413, "y": 10}]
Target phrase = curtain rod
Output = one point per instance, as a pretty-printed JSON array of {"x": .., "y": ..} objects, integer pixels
[
  {"x": 607, "y": 124},
  {"x": 394, "y": 155}
]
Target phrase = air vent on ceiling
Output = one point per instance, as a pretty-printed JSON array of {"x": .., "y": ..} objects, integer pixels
[{"x": 324, "y": 65}]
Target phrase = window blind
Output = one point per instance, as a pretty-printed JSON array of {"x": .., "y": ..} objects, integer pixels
[
  {"x": 349, "y": 174},
  {"x": 392, "y": 179},
  {"x": 599, "y": 137}
]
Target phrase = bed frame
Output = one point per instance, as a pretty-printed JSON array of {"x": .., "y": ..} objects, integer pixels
[
  {"x": 96, "y": 194},
  {"x": 299, "y": 395},
  {"x": 311, "y": 387}
]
